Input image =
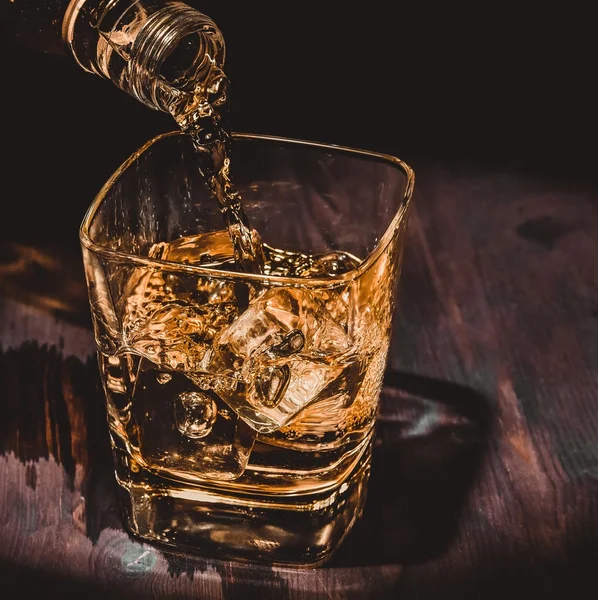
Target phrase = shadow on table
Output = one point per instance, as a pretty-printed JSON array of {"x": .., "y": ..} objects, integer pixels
[{"x": 431, "y": 438}]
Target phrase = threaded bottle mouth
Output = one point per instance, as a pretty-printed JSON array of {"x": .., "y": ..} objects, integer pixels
[
  {"x": 155, "y": 51},
  {"x": 174, "y": 52}
]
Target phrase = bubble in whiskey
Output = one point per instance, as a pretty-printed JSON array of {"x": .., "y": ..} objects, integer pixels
[
  {"x": 163, "y": 378},
  {"x": 271, "y": 384},
  {"x": 291, "y": 343},
  {"x": 195, "y": 414},
  {"x": 219, "y": 385}
]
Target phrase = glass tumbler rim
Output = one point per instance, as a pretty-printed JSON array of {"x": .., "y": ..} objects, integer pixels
[{"x": 328, "y": 281}]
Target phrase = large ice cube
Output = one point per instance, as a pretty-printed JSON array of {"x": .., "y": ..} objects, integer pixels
[
  {"x": 188, "y": 431},
  {"x": 286, "y": 351},
  {"x": 338, "y": 298},
  {"x": 272, "y": 317}
]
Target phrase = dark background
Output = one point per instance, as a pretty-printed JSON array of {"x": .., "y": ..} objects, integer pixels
[
  {"x": 491, "y": 88},
  {"x": 498, "y": 89}
]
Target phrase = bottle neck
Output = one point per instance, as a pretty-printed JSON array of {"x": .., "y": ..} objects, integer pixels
[{"x": 162, "y": 53}]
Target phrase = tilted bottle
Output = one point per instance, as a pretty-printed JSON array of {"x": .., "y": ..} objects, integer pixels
[{"x": 160, "y": 52}]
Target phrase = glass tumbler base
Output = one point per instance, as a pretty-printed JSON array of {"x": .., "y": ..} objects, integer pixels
[{"x": 302, "y": 530}]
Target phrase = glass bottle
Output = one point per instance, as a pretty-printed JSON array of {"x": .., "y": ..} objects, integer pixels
[{"x": 162, "y": 53}]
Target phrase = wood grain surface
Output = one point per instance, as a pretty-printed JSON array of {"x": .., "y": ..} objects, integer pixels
[{"x": 485, "y": 470}]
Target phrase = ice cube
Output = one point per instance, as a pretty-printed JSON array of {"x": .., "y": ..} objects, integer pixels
[
  {"x": 188, "y": 432},
  {"x": 194, "y": 413},
  {"x": 339, "y": 297},
  {"x": 172, "y": 320},
  {"x": 287, "y": 352},
  {"x": 305, "y": 381},
  {"x": 269, "y": 319},
  {"x": 339, "y": 300}
]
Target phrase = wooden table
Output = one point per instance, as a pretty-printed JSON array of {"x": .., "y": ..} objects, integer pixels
[{"x": 485, "y": 472}]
